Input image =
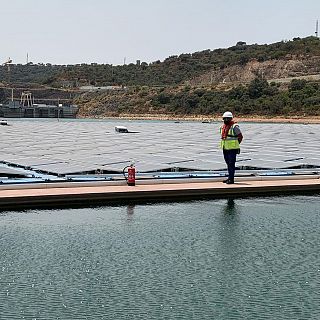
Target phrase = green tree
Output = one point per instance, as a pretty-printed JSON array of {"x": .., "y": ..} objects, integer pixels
[
  {"x": 256, "y": 87},
  {"x": 297, "y": 84}
]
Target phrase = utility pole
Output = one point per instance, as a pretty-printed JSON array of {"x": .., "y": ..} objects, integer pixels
[{"x": 317, "y": 28}]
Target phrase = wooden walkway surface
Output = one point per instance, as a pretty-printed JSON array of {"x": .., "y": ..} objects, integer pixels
[{"x": 67, "y": 196}]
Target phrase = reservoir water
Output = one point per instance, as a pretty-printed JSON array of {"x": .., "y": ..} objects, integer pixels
[{"x": 255, "y": 258}]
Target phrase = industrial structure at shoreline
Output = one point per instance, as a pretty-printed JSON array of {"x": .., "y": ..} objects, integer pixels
[{"x": 27, "y": 108}]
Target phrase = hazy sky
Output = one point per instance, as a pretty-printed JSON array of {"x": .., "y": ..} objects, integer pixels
[{"x": 105, "y": 31}]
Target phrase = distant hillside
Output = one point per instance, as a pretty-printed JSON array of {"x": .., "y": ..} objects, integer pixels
[
  {"x": 20, "y": 74},
  {"x": 277, "y": 79},
  {"x": 172, "y": 71},
  {"x": 299, "y": 98}
]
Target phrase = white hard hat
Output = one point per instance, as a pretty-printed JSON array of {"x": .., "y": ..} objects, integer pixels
[{"x": 227, "y": 114}]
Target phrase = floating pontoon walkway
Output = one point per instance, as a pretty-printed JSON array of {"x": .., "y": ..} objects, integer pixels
[{"x": 90, "y": 195}]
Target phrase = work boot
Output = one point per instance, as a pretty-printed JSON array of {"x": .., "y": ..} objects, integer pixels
[
  {"x": 225, "y": 181},
  {"x": 230, "y": 181}
]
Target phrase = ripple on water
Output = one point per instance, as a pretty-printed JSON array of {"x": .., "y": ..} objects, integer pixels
[{"x": 221, "y": 259}]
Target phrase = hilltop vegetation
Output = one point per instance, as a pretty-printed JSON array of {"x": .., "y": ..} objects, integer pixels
[
  {"x": 241, "y": 78},
  {"x": 178, "y": 69},
  {"x": 172, "y": 71}
]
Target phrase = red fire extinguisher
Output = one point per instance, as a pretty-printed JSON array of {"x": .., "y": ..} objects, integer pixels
[{"x": 131, "y": 181}]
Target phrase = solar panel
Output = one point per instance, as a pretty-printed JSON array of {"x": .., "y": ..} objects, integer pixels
[{"x": 69, "y": 146}]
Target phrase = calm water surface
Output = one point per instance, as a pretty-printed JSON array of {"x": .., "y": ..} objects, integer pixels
[{"x": 220, "y": 259}]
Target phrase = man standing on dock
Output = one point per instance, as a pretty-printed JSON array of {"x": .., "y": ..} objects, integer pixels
[{"x": 231, "y": 138}]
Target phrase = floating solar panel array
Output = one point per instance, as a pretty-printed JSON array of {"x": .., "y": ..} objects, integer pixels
[{"x": 82, "y": 146}]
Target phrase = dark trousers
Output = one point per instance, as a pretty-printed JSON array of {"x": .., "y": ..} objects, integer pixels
[{"x": 230, "y": 157}]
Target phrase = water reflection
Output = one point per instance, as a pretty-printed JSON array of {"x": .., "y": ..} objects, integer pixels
[
  {"x": 231, "y": 246},
  {"x": 230, "y": 208},
  {"x": 130, "y": 211},
  {"x": 230, "y": 225},
  {"x": 197, "y": 260}
]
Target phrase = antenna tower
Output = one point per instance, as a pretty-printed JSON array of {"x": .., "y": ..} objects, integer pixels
[{"x": 317, "y": 28}]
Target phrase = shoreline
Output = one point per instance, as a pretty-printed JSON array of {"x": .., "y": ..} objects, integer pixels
[{"x": 202, "y": 118}]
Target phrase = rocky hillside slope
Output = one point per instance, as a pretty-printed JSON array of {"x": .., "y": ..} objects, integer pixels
[{"x": 270, "y": 70}]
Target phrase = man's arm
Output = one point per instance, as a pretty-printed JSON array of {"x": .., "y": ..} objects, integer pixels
[{"x": 238, "y": 133}]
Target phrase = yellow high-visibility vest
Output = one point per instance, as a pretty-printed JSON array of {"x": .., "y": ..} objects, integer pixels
[{"x": 231, "y": 142}]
